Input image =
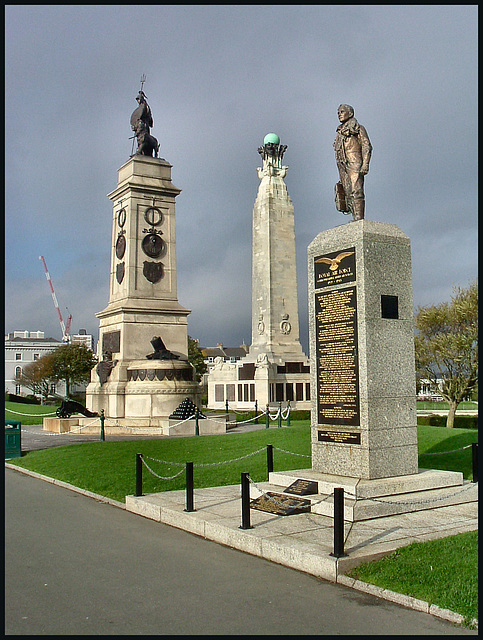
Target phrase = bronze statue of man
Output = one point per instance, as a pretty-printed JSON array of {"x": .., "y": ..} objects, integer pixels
[{"x": 353, "y": 151}]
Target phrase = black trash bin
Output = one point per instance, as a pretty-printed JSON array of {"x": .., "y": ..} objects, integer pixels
[{"x": 13, "y": 439}]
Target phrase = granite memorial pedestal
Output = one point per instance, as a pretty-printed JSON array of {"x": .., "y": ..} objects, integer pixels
[
  {"x": 363, "y": 383},
  {"x": 362, "y": 339}
]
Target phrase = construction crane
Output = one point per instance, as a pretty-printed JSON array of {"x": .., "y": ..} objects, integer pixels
[{"x": 65, "y": 328}]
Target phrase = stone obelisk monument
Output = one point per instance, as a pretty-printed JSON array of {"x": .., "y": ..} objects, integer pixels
[
  {"x": 275, "y": 318},
  {"x": 276, "y": 370},
  {"x": 144, "y": 374}
]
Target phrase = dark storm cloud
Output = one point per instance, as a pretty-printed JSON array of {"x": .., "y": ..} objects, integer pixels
[{"x": 219, "y": 77}]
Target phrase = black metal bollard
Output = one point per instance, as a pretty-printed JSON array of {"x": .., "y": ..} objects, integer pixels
[
  {"x": 103, "y": 437},
  {"x": 269, "y": 458},
  {"x": 338, "y": 524},
  {"x": 256, "y": 412},
  {"x": 197, "y": 424},
  {"x": 245, "y": 498},
  {"x": 139, "y": 474},
  {"x": 267, "y": 418},
  {"x": 226, "y": 407},
  {"x": 279, "y": 415},
  {"x": 288, "y": 414},
  {"x": 189, "y": 487},
  {"x": 474, "y": 450}
]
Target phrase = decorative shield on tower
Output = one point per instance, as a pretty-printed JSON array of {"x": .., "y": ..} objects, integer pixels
[
  {"x": 119, "y": 272},
  {"x": 153, "y": 271}
]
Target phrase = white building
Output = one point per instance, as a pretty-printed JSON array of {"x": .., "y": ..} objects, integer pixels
[
  {"x": 83, "y": 338},
  {"x": 24, "y": 347},
  {"x": 228, "y": 354},
  {"x": 426, "y": 391}
]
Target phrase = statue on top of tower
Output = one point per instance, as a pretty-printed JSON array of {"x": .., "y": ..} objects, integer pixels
[
  {"x": 141, "y": 123},
  {"x": 353, "y": 152}
]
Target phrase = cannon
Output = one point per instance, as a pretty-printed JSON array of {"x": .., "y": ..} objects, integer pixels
[{"x": 68, "y": 407}]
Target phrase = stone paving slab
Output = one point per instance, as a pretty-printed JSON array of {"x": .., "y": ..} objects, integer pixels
[{"x": 303, "y": 541}]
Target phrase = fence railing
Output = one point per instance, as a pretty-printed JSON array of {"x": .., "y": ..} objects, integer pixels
[{"x": 337, "y": 496}]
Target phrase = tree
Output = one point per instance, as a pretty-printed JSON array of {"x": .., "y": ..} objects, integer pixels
[
  {"x": 446, "y": 346},
  {"x": 37, "y": 375},
  {"x": 196, "y": 357},
  {"x": 72, "y": 363}
]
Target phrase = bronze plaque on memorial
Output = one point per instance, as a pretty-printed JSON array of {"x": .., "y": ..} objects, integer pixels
[
  {"x": 334, "y": 268},
  {"x": 337, "y": 357},
  {"x": 111, "y": 342},
  {"x": 279, "y": 504},
  {"x": 340, "y": 437},
  {"x": 302, "y": 487}
]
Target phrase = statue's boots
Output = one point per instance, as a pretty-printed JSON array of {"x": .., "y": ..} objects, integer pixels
[{"x": 358, "y": 207}]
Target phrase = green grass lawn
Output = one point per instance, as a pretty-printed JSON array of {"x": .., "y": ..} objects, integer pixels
[
  {"x": 433, "y": 442},
  {"x": 108, "y": 468},
  {"x": 443, "y": 572},
  {"x": 28, "y": 413}
]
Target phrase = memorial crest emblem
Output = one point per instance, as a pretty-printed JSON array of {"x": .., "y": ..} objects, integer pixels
[
  {"x": 153, "y": 271},
  {"x": 120, "y": 272}
]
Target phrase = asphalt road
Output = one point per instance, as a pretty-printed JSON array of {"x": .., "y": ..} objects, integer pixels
[{"x": 75, "y": 566}]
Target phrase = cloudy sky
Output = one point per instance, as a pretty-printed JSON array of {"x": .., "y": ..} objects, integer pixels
[{"x": 218, "y": 79}]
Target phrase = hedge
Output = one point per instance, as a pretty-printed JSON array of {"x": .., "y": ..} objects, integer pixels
[
  {"x": 11, "y": 397},
  {"x": 461, "y": 422}
]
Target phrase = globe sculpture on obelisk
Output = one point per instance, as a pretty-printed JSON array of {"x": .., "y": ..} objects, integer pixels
[{"x": 276, "y": 370}]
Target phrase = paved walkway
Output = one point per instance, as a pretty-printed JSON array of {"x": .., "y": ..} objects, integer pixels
[
  {"x": 304, "y": 541},
  {"x": 33, "y": 438}
]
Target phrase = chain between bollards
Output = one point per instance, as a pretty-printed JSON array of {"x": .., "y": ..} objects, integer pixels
[
  {"x": 338, "y": 523},
  {"x": 245, "y": 499},
  {"x": 139, "y": 474}
]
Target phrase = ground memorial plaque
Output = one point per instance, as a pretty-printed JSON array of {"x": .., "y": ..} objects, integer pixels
[
  {"x": 279, "y": 504},
  {"x": 302, "y": 487}
]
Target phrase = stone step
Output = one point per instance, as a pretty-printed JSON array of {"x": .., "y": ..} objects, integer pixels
[
  {"x": 359, "y": 488},
  {"x": 368, "y": 499},
  {"x": 367, "y": 509}
]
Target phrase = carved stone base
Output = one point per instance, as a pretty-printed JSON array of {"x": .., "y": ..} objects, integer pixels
[{"x": 144, "y": 389}]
